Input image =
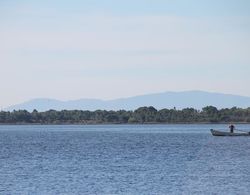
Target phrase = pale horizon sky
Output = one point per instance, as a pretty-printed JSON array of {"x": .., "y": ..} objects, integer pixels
[{"x": 110, "y": 49}]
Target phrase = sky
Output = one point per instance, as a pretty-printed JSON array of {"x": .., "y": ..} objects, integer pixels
[{"x": 109, "y": 49}]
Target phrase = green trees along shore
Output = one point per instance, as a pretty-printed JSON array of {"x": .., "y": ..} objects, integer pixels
[{"x": 141, "y": 115}]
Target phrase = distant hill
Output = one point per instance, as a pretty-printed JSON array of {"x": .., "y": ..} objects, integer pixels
[{"x": 194, "y": 99}]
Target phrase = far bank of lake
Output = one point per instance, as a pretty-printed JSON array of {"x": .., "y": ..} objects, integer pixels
[{"x": 143, "y": 115}]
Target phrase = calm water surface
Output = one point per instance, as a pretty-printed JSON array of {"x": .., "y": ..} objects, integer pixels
[{"x": 123, "y": 159}]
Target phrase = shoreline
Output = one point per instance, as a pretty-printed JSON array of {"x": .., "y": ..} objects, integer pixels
[{"x": 86, "y": 124}]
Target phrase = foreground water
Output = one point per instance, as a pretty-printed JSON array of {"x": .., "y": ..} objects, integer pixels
[{"x": 123, "y": 159}]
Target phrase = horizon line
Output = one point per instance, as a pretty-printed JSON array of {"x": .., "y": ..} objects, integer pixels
[{"x": 120, "y": 98}]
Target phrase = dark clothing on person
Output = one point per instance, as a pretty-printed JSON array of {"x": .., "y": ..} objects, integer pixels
[{"x": 231, "y": 127}]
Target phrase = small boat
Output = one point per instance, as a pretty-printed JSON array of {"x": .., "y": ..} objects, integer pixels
[{"x": 223, "y": 133}]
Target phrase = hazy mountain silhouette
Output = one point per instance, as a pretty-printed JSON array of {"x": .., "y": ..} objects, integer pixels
[{"x": 194, "y": 99}]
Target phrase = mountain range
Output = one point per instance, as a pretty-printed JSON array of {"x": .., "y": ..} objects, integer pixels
[{"x": 179, "y": 100}]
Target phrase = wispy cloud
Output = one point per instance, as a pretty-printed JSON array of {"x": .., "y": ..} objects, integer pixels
[{"x": 58, "y": 54}]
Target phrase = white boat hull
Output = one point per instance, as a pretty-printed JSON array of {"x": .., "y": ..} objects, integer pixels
[{"x": 222, "y": 133}]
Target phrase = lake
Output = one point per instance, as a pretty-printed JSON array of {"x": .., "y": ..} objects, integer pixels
[{"x": 122, "y": 159}]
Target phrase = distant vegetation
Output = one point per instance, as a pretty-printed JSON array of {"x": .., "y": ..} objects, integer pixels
[{"x": 142, "y": 115}]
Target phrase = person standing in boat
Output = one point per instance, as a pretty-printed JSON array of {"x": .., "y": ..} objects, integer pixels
[{"x": 231, "y": 127}]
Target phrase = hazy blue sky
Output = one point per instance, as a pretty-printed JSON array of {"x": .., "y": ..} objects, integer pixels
[{"x": 107, "y": 49}]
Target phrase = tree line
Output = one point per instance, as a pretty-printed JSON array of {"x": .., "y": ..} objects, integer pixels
[{"x": 209, "y": 114}]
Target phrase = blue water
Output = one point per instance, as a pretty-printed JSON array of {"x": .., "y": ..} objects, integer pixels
[{"x": 123, "y": 159}]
